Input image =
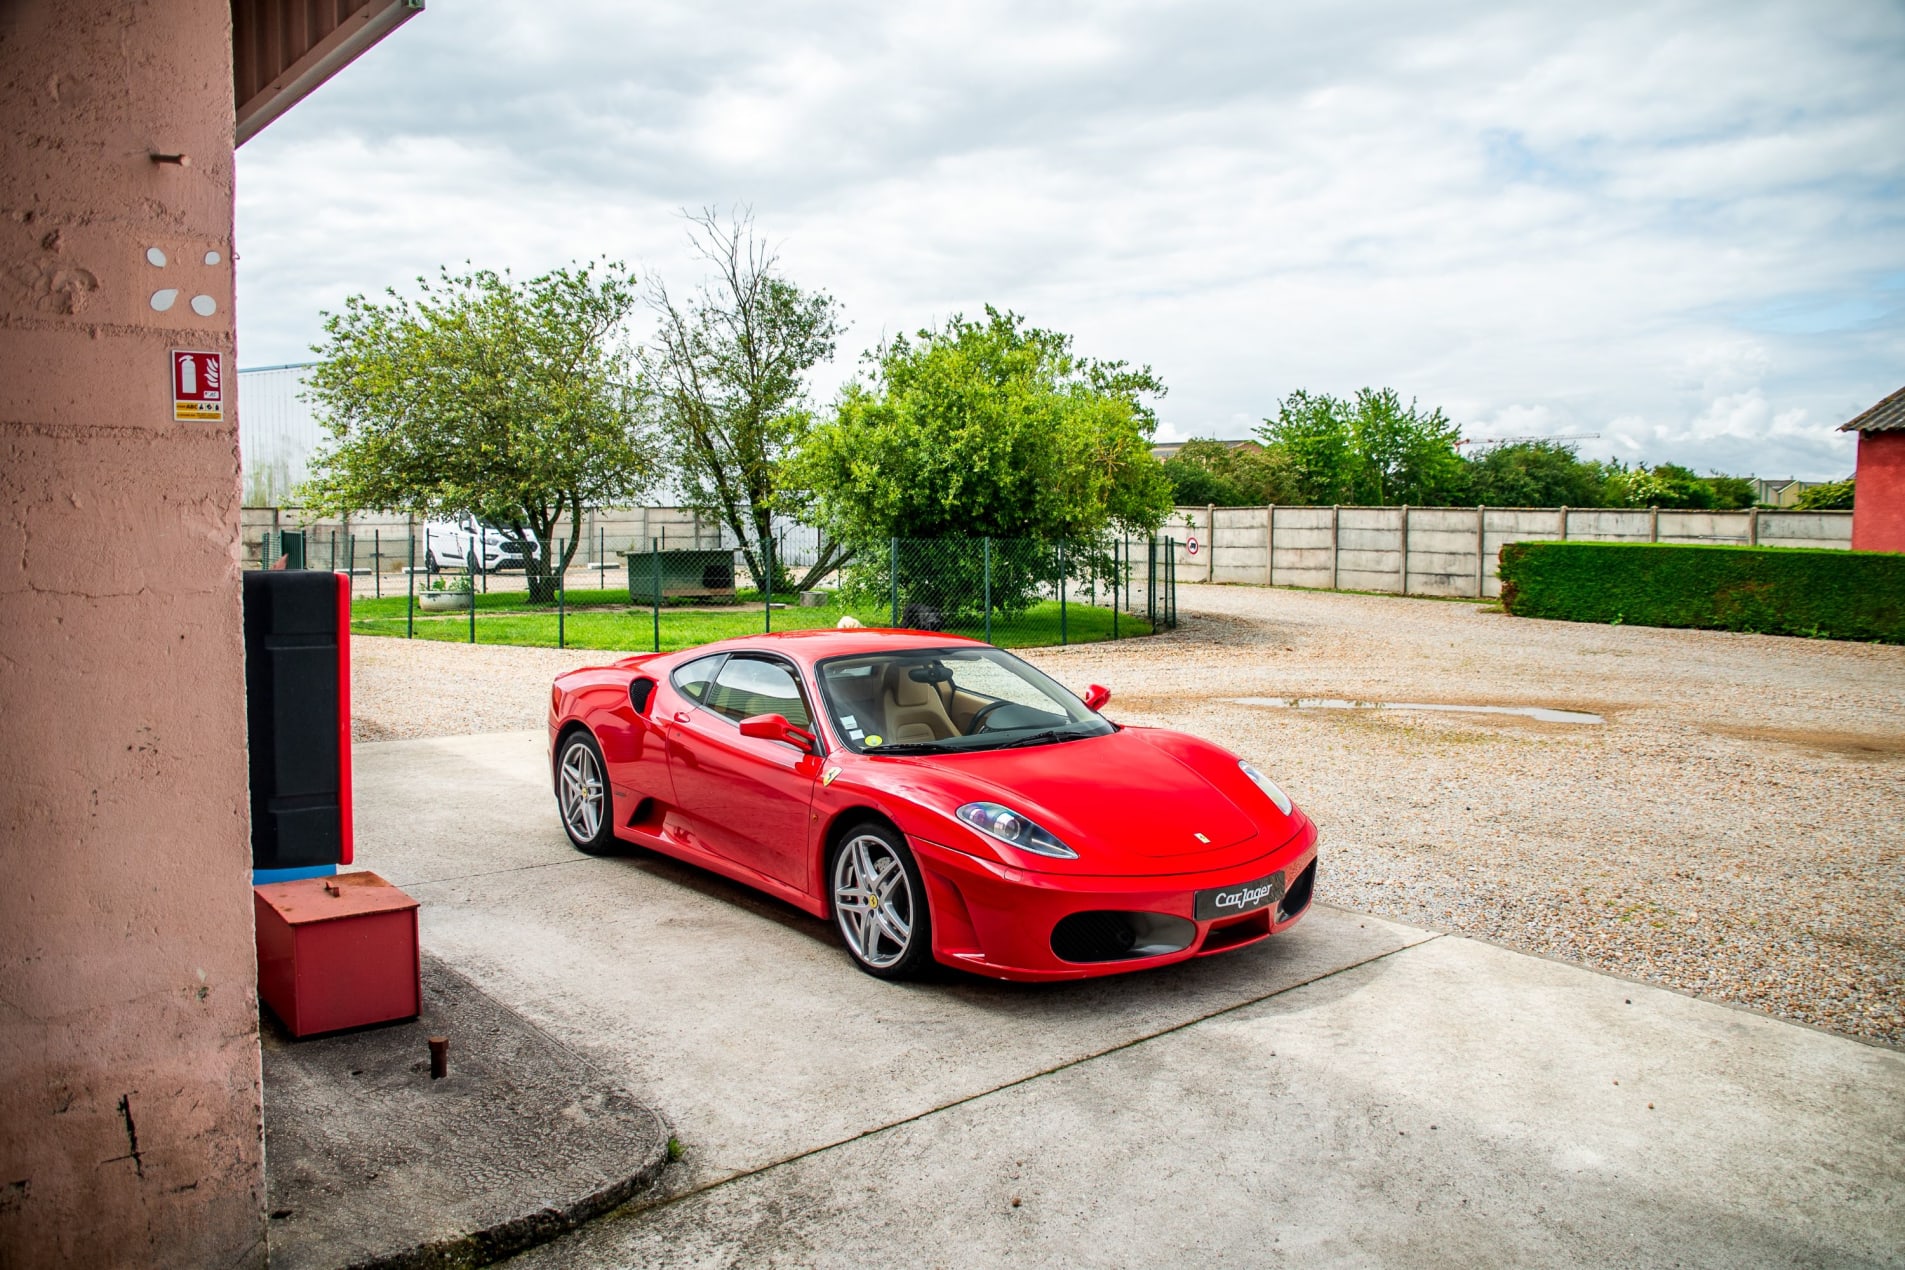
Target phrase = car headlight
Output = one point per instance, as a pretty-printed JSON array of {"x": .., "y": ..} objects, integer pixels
[
  {"x": 1014, "y": 830},
  {"x": 1268, "y": 786}
]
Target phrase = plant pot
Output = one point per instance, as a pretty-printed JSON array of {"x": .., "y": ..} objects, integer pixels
[{"x": 443, "y": 601}]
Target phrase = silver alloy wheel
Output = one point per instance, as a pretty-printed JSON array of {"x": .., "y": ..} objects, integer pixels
[
  {"x": 581, "y": 792},
  {"x": 873, "y": 900}
]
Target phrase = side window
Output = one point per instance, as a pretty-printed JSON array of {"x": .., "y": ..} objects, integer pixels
[
  {"x": 748, "y": 686},
  {"x": 693, "y": 680}
]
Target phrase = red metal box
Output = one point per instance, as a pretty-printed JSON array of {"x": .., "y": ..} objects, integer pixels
[{"x": 337, "y": 952}]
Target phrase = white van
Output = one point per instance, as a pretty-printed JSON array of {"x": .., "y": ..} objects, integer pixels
[{"x": 472, "y": 545}]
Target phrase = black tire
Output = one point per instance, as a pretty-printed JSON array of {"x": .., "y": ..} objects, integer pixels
[
  {"x": 430, "y": 564},
  {"x": 584, "y": 800},
  {"x": 869, "y": 931}
]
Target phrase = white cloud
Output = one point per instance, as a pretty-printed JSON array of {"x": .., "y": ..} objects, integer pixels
[{"x": 1675, "y": 225}]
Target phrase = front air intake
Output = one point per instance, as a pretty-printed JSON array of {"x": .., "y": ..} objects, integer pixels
[
  {"x": 1297, "y": 898},
  {"x": 1104, "y": 935}
]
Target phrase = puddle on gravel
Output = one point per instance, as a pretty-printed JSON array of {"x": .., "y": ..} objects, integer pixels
[{"x": 1542, "y": 713}]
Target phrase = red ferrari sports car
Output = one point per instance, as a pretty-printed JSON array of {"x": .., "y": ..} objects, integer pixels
[{"x": 939, "y": 798}]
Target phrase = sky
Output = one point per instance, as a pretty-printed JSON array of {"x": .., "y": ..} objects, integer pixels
[{"x": 1679, "y": 226}]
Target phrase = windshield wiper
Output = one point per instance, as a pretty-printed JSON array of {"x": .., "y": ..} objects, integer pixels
[
  {"x": 907, "y": 747},
  {"x": 1044, "y": 737}
]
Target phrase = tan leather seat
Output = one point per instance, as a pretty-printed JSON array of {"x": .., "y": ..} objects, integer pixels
[{"x": 914, "y": 711}]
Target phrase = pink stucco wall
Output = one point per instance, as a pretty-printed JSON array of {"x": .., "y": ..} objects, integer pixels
[
  {"x": 1878, "y": 497},
  {"x": 129, "y": 1071}
]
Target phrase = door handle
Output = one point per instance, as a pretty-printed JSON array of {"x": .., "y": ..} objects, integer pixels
[{"x": 681, "y": 716}]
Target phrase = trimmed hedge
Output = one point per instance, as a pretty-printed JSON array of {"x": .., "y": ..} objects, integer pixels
[{"x": 1769, "y": 590}]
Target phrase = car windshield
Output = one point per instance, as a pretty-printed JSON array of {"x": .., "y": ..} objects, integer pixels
[{"x": 942, "y": 700}]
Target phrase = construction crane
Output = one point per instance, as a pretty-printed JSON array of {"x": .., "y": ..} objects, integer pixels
[{"x": 1566, "y": 436}]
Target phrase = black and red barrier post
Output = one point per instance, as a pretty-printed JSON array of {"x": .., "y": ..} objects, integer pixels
[{"x": 298, "y": 721}]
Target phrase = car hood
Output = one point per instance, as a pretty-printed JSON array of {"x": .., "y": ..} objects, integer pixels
[{"x": 1137, "y": 793}]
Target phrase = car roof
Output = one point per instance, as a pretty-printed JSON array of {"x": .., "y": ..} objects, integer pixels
[{"x": 816, "y": 645}]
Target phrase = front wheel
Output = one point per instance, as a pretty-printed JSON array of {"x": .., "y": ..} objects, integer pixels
[
  {"x": 582, "y": 795},
  {"x": 879, "y": 903}
]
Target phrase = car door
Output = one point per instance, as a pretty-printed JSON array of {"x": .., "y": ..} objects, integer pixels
[{"x": 743, "y": 798}]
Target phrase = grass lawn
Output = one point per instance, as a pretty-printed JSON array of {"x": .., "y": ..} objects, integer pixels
[{"x": 605, "y": 620}]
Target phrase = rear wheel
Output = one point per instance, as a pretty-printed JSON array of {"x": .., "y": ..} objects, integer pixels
[
  {"x": 582, "y": 795},
  {"x": 879, "y": 903}
]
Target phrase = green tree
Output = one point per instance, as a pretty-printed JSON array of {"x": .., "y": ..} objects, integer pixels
[
  {"x": 1206, "y": 471},
  {"x": 1407, "y": 455},
  {"x": 730, "y": 367},
  {"x": 1731, "y": 493},
  {"x": 1314, "y": 434},
  {"x": 1369, "y": 449},
  {"x": 1534, "y": 474},
  {"x": 515, "y": 402},
  {"x": 987, "y": 429},
  {"x": 1664, "y": 485},
  {"x": 1832, "y": 496}
]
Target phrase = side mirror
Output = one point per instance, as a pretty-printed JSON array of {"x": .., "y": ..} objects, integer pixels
[
  {"x": 1096, "y": 696},
  {"x": 775, "y": 727}
]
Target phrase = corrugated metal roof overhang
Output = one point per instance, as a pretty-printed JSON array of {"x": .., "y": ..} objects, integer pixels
[
  {"x": 1887, "y": 416},
  {"x": 283, "y": 49}
]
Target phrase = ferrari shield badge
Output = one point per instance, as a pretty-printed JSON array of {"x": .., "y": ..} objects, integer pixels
[{"x": 827, "y": 777}]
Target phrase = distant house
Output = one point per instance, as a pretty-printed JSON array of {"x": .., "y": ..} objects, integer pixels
[
  {"x": 1780, "y": 493},
  {"x": 1165, "y": 451},
  {"x": 1878, "y": 500}
]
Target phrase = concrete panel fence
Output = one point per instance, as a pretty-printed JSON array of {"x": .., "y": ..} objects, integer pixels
[{"x": 1448, "y": 551}]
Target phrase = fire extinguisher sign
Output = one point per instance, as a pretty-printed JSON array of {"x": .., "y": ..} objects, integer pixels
[{"x": 198, "y": 385}]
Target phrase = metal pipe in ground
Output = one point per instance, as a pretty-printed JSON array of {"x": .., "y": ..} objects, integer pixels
[{"x": 439, "y": 1057}]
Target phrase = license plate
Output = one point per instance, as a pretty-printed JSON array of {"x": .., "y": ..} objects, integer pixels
[{"x": 1245, "y": 897}]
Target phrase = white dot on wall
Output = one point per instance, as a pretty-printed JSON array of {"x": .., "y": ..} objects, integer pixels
[
  {"x": 204, "y": 305},
  {"x": 155, "y": 257},
  {"x": 162, "y": 300},
  {"x": 211, "y": 257}
]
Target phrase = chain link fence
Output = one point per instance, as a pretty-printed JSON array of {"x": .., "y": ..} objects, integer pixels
[{"x": 621, "y": 593}]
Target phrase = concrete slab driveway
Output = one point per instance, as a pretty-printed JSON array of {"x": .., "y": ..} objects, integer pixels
[{"x": 1356, "y": 1092}]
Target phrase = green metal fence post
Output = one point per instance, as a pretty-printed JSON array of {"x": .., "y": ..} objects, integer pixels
[
  {"x": 410, "y": 593},
  {"x": 350, "y": 563},
  {"x": 1151, "y": 583},
  {"x": 601, "y": 557},
  {"x": 893, "y": 573},
  {"x": 654, "y": 600},
  {"x": 562, "y": 599},
  {"x": 767, "y": 585},
  {"x": 1062, "y": 636},
  {"x": 1116, "y": 590},
  {"x": 988, "y": 542},
  {"x": 377, "y": 562}
]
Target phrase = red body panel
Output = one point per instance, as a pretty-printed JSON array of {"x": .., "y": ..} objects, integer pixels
[{"x": 1133, "y": 804}]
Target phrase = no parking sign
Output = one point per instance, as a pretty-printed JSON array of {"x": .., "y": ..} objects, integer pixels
[{"x": 1190, "y": 544}]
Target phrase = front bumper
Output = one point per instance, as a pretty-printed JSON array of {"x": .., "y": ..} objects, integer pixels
[{"x": 995, "y": 920}]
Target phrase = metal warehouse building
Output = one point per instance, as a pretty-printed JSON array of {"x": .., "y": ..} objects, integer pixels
[{"x": 277, "y": 432}]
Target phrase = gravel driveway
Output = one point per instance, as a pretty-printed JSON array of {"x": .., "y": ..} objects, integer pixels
[{"x": 1736, "y": 827}]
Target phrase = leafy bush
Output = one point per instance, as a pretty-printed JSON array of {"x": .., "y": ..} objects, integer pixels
[
  {"x": 1833, "y": 496},
  {"x": 1216, "y": 472},
  {"x": 1770, "y": 590}
]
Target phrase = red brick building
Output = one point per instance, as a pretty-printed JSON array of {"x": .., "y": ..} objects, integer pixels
[{"x": 1878, "y": 506}]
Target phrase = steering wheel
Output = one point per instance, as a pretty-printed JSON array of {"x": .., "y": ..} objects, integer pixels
[{"x": 978, "y": 723}]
